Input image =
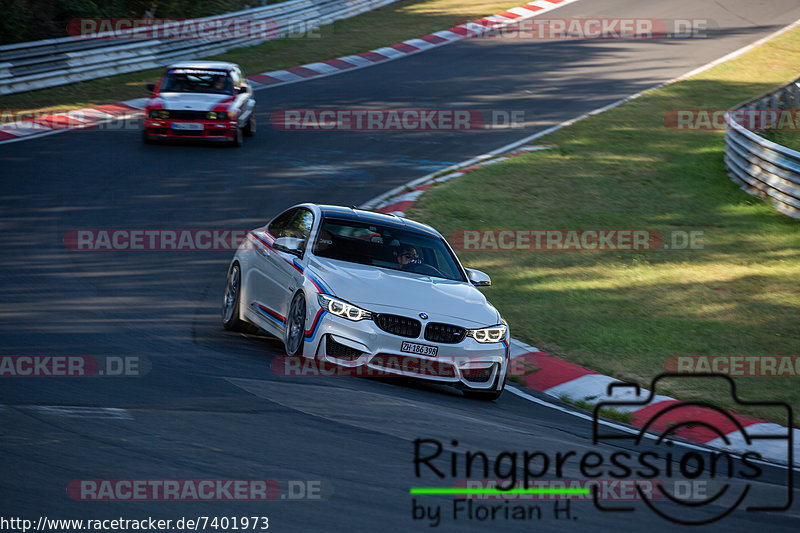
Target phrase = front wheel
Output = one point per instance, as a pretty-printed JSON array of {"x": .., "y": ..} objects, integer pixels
[
  {"x": 295, "y": 325},
  {"x": 238, "y": 138},
  {"x": 250, "y": 127}
]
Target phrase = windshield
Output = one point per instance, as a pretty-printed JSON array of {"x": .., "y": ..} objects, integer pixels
[
  {"x": 405, "y": 249},
  {"x": 182, "y": 80}
]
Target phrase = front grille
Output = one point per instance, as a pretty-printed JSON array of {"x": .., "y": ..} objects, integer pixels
[
  {"x": 186, "y": 114},
  {"x": 444, "y": 333},
  {"x": 398, "y": 325},
  {"x": 340, "y": 351},
  {"x": 414, "y": 365},
  {"x": 478, "y": 375}
]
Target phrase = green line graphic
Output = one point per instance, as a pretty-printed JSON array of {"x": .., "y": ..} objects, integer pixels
[{"x": 456, "y": 490}]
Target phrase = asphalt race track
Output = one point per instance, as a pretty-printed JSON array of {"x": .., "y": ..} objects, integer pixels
[{"x": 210, "y": 407}]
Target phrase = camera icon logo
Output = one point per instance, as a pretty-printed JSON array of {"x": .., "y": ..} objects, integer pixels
[{"x": 689, "y": 477}]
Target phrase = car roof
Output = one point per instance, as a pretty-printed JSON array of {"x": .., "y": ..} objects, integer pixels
[
  {"x": 218, "y": 65},
  {"x": 360, "y": 215}
]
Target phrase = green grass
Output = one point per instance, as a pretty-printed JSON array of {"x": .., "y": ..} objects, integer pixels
[
  {"x": 389, "y": 25},
  {"x": 788, "y": 138},
  {"x": 625, "y": 313}
]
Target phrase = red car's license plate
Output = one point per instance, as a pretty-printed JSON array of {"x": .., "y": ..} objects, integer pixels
[{"x": 190, "y": 126}]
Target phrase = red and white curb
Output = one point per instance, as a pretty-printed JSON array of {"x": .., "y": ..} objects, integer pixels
[
  {"x": 467, "y": 30},
  {"x": 93, "y": 116},
  {"x": 560, "y": 379},
  {"x": 397, "y": 201},
  {"x": 77, "y": 119},
  {"x": 566, "y": 381}
]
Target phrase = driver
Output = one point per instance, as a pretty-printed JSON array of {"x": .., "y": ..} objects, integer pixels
[
  {"x": 220, "y": 84},
  {"x": 407, "y": 257}
]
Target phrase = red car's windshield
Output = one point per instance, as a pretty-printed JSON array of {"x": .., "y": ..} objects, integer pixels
[{"x": 197, "y": 81}]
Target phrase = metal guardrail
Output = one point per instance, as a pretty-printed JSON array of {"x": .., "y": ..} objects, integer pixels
[
  {"x": 764, "y": 168},
  {"x": 51, "y": 62}
]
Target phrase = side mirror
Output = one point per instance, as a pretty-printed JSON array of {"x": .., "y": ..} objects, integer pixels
[
  {"x": 290, "y": 245},
  {"x": 478, "y": 278},
  {"x": 243, "y": 89},
  {"x": 151, "y": 87}
]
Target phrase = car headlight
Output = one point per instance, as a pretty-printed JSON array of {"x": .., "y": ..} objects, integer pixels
[
  {"x": 217, "y": 115},
  {"x": 486, "y": 335},
  {"x": 158, "y": 113},
  {"x": 343, "y": 309}
]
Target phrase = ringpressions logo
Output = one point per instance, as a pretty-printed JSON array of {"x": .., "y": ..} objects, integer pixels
[{"x": 643, "y": 468}]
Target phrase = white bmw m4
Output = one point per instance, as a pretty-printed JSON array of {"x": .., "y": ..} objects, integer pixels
[{"x": 361, "y": 289}]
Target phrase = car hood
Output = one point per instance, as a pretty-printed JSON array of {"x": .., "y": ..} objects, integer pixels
[
  {"x": 387, "y": 291},
  {"x": 192, "y": 101}
]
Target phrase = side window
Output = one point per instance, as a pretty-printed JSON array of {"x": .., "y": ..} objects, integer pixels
[
  {"x": 237, "y": 79},
  {"x": 300, "y": 226},
  {"x": 277, "y": 228},
  {"x": 295, "y": 223}
]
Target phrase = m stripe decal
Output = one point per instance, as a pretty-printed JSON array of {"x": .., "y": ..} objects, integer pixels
[{"x": 269, "y": 313}]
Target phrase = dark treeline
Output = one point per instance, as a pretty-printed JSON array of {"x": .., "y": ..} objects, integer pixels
[{"x": 31, "y": 20}]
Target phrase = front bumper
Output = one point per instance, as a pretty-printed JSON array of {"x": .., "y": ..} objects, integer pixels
[
  {"x": 467, "y": 364},
  {"x": 212, "y": 130}
]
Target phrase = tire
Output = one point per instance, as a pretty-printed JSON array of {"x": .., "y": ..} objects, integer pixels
[
  {"x": 487, "y": 395},
  {"x": 296, "y": 326},
  {"x": 146, "y": 139},
  {"x": 250, "y": 128},
  {"x": 230, "y": 303},
  {"x": 238, "y": 138}
]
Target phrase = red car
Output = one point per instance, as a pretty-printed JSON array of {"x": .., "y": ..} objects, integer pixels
[{"x": 200, "y": 100}]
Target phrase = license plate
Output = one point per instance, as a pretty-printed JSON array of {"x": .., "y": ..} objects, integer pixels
[
  {"x": 194, "y": 126},
  {"x": 419, "y": 349}
]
